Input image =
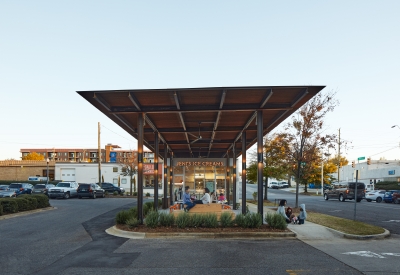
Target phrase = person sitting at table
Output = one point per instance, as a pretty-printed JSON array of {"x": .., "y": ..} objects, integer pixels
[
  {"x": 186, "y": 200},
  {"x": 205, "y": 199},
  {"x": 221, "y": 198},
  {"x": 213, "y": 196}
]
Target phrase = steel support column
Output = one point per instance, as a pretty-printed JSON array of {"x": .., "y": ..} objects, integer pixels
[
  {"x": 234, "y": 176},
  {"x": 244, "y": 172},
  {"x": 228, "y": 169},
  {"x": 156, "y": 157},
  {"x": 140, "y": 130},
  {"x": 260, "y": 163},
  {"x": 171, "y": 174},
  {"x": 165, "y": 189}
]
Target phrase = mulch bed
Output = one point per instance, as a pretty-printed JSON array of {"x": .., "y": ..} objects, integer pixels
[{"x": 174, "y": 229}]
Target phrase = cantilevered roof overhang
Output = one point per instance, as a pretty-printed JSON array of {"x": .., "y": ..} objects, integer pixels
[{"x": 200, "y": 122}]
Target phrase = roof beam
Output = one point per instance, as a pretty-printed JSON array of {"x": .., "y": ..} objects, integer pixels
[{"x": 197, "y": 108}]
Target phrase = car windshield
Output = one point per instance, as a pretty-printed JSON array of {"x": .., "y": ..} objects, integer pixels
[
  {"x": 15, "y": 185},
  {"x": 62, "y": 184}
]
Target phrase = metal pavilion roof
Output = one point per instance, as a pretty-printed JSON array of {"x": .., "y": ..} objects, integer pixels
[{"x": 200, "y": 122}]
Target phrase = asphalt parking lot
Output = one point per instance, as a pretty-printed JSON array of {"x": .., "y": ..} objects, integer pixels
[{"x": 71, "y": 239}]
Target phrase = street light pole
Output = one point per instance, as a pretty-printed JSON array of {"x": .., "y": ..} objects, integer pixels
[{"x": 47, "y": 170}]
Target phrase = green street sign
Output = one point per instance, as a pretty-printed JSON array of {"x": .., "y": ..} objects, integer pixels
[{"x": 361, "y": 158}]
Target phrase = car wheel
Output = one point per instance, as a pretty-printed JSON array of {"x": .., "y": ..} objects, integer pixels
[
  {"x": 103, "y": 196},
  {"x": 341, "y": 198},
  {"x": 368, "y": 200},
  {"x": 326, "y": 197},
  {"x": 378, "y": 199},
  {"x": 94, "y": 195},
  {"x": 79, "y": 197},
  {"x": 66, "y": 195}
]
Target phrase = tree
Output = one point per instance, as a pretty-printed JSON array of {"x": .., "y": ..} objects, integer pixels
[
  {"x": 33, "y": 156},
  {"x": 275, "y": 165},
  {"x": 305, "y": 137},
  {"x": 129, "y": 168}
]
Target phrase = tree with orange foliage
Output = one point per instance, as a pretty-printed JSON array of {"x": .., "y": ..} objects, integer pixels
[{"x": 33, "y": 156}]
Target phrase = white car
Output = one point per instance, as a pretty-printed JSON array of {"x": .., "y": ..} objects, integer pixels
[
  {"x": 376, "y": 195},
  {"x": 273, "y": 184}
]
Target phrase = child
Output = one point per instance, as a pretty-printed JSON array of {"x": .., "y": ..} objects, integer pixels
[
  {"x": 221, "y": 197},
  {"x": 290, "y": 215},
  {"x": 303, "y": 214}
]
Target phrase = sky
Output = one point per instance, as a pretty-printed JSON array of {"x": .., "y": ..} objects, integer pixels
[{"x": 51, "y": 49}]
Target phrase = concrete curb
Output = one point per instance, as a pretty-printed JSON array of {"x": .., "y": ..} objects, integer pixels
[
  {"x": 229, "y": 235},
  {"x": 24, "y": 213},
  {"x": 383, "y": 235}
]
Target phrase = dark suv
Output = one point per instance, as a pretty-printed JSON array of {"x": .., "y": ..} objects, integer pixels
[
  {"x": 90, "y": 190},
  {"x": 346, "y": 191},
  {"x": 21, "y": 188},
  {"x": 111, "y": 188}
]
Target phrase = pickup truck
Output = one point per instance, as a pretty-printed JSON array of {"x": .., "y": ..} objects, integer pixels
[{"x": 64, "y": 190}]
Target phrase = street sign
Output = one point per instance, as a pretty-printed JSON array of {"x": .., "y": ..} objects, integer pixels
[{"x": 361, "y": 158}]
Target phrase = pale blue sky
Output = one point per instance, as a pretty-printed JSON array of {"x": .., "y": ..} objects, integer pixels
[{"x": 51, "y": 49}]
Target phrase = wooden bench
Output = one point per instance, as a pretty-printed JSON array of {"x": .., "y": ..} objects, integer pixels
[{"x": 216, "y": 208}]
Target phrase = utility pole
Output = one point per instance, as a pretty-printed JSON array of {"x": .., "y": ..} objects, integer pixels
[
  {"x": 99, "y": 152},
  {"x": 338, "y": 170}
]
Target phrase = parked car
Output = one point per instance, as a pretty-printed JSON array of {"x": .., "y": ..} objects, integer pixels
[
  {"x": 284, "y": 184},
  {"x": 21, "y": 188},
  {"x": 376, "y": 195},
  {"x": 64, "y": 190},
  {"x": 111, "y": 188},
  {"x": 90, "y": 190},
  {"x": 346, "y": 191},
  {"x": 396, "y": 197},
  {"x": 42, "y": 189},
  {"x": 3, "y": 187},
  {"x": 7, "y": 194},
  {"x": 388, "y": 197},
  {"x": 273, "y": 185}
]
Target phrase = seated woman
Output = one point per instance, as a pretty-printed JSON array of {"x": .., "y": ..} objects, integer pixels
[
  {"x": 281, "y": 210},
  {"x": 205, "y": 199}
]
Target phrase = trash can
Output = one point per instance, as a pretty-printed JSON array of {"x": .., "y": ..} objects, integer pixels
[{"x": 165, "y": 203}]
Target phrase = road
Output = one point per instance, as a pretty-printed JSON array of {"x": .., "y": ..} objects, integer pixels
[
  {"x": 386, "y": 215},
  {"x": 71, "y": 240}
]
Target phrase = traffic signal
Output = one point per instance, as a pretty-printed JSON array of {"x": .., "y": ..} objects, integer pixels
[
  {"x": 353, "y": 164},
  {"x": 368, "y": 161}
]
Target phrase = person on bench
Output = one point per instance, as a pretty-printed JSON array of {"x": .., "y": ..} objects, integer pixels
[
  {"x": 186, "y": 199},
  {"x": 205, "y": 199}
]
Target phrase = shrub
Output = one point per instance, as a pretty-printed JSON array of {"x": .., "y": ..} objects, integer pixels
[
  {"x": 226, "y": 219},
  {"x": 106, "y": 193},
  {"x": 122, "y": 217},
  {"x": 121, "y": 194},
  {"x": 255, "y": 196},
  {"x": 151, "y": 220},
  {"x": 275, "y": 220},
  {"x": 182, "y": 220},
  {"x": 32, "y": 201},
  {"x": 159, "y": 203},
  {"x": 134, "y": 194},
  {"x": 196, "y": 220},
  {"x": 42, "y": 200},
  {"x": 150, "y": 204},
  {"x": 23, "y": 204},
  {"x": 1, "y": 210},
  {"x": 167, "y": 219},
  {"x": 210, "y": 220},
  {"x": 132, "y": 222},
  {"x": 9, "y": 205},
  {"x": 147, "y": 194},
  {"x": 133, "y": 212},
  {"x": 254, "y": 220},
  {"x": 240, "y": 220},
  {"x": 237, "y": 206},
  {"x": 115, "y": 193},
  {"x": 146, "y": 209}
]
